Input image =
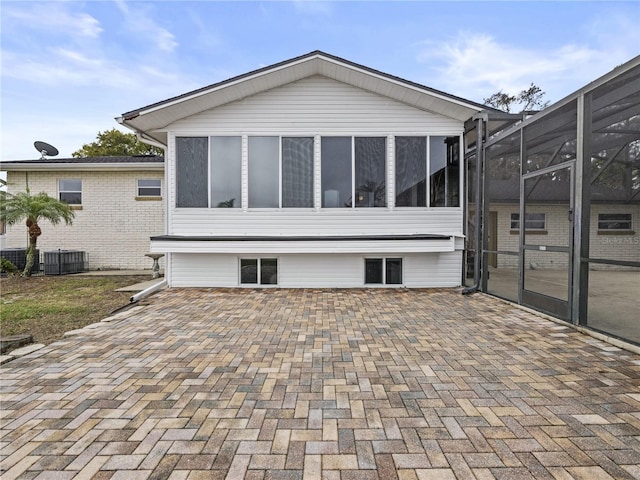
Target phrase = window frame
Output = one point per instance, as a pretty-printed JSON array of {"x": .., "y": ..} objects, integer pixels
[
  {"x": 147, "y": 195},
  {"x": 213, "y": 190},
  {"x": 514, "y": 219},
  {"x": 355, "y": 190},
  {"x": 259, "y": 267},
  {"x": 385, "y": 281},
  {"x": 61, "y": 191},
  {"x": 455, "y": 149},
  {"x": 628, "y": 230}
]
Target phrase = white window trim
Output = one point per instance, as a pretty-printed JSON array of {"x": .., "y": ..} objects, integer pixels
[
  {"x": 60, "y": 191},
  {"x": 353, "y": 172},
  {"x": 384, "y": 271},
  {"x": 630, "y": 229},
  {"x": 527, "y": 229},
  {"x": 259, "y": 272},
  {"x": 139, "y": 194}
]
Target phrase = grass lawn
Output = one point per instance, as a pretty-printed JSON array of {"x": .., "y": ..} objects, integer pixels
[{"x": 47, "y": 307}]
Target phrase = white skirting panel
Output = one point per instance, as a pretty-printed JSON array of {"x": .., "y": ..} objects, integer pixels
[
  {"x": 203, "y": 270},
  {"x": 420, "y": 270},
  {"x": 429, "y": 270}
]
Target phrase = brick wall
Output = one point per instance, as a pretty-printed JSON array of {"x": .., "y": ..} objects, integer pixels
[
  {"x": 619, "y": 246},
  {"x": 112, "y": 226}
]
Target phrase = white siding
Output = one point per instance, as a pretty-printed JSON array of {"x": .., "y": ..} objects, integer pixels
[
  {"x": 316, "y": 105},
  {"x": 320, "y": 271},
  {"x": 433, "y": 269},
  {"x": 201, "y": 270},
  {"x": 367, "y": 221},
  {"x": 316, "y": 271}
]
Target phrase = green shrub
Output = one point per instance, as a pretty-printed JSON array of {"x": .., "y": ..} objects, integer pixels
[{"x": 8, "y": 266}]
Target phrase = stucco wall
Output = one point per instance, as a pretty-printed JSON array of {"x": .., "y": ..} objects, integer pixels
[{"x": 112, "y": 226}]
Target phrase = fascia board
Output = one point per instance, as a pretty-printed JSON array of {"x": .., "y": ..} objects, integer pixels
[
  {"x": 92, "y": 167},
  {"x": 309, "y": 246},
  {"x": 316, "y": 70},
  {"x": 223, "y": 86}
]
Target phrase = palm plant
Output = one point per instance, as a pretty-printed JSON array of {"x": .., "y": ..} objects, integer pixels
[{"x": 15, "y": 208}]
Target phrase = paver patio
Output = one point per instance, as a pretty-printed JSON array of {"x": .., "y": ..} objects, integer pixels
[{"x": 322, "y": 384}]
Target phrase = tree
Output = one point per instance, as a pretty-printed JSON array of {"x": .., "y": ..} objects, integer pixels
[
  {"x": 23, "y": 206},
  {"x": 115, "y": 142},
  {"x": 529, "y": 98}
]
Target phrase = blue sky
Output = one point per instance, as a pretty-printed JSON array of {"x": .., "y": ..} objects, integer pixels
[{"x": 69, "y": 68}]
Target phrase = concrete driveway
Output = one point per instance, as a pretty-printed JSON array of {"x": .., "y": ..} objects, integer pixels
[{"x": 322, "y": 384}]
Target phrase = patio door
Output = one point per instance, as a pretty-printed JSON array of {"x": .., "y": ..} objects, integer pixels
[{"x": 546, "y": 239}]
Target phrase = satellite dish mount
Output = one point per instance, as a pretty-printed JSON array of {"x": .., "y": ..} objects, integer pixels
[{"x": 45, "y": 149}]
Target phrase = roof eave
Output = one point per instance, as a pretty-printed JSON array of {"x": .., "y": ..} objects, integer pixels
[
  {"x": 143, "y": 118},
  {"x": 93, "y": 167}
]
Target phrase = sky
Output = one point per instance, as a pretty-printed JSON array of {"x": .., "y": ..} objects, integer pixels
[{"x": 68, "y": 68}]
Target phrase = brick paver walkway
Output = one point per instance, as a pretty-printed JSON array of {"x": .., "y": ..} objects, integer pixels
[{"x": 345, "y": 384}]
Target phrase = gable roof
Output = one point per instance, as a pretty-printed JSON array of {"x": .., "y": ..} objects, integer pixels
[
  {"x": 152, "y": 119},
  {"x": 131, "y": 162}
]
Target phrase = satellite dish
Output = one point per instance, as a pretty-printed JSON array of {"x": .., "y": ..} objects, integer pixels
[{"x": 45, "y": 149}]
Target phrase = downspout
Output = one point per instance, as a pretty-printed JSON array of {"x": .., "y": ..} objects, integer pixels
[
  {"x": 144, "y": 138},
  {"x": 148, "y": 291},
  {"x": 480, "y": 119}
]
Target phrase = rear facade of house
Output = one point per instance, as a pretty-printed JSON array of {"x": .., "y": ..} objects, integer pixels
[{"x": 311, "y": 173}]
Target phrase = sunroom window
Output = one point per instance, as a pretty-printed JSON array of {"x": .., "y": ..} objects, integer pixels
[
  {"x": 226, "y": 172},
  {"x": 353, "y": 172},
  {"x": 431, "y": 163}
]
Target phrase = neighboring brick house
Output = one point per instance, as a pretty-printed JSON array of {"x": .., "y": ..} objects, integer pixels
[{"x": 118, "y": 203}]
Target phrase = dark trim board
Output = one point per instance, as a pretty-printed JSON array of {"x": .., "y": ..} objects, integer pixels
[{"x": 260, "y": 238}]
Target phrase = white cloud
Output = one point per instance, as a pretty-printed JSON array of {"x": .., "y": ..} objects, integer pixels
[
  {"x": 138, "y": 21},
  {"x": 475, "y": 65},
  {"x": 52, "y": 17},
  {"x": 68, "y": 68}
]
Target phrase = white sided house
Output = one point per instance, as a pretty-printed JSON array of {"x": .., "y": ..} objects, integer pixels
[
  {"x": 117, "y": 201},
  {"x": 314, "y": 172}
]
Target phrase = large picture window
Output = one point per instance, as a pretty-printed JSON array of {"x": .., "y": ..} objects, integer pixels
[
  {"x": 280, "y": 172},
  {"x": 226, "y": 172}
]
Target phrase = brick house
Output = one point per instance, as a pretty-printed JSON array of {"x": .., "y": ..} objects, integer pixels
[{"x": 118, "y": 203}]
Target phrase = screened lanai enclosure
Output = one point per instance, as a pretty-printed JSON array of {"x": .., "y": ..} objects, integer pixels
[{"x": 559, "y": 201}]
